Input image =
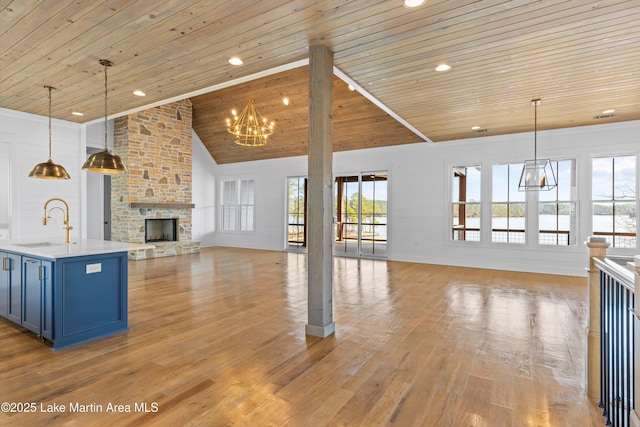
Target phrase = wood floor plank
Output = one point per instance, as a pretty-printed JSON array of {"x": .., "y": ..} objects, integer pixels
[{"x": 217, "y": 339}]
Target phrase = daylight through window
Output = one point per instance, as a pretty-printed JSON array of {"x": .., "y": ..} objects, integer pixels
[
  {"x": 237, "y": 205},
  {"x": 465, "y": 203},
  {"x": 508, "y": 205},
  {"x": 613, "y": 188},
  {"x": 557, "y": 219}
]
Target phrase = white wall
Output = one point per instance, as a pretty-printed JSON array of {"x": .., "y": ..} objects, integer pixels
[
  {"x": 203, "y": 193},
  {"x": 5, "y": 183},
  {"x": 270, "y": 200},
  {"x": 419, "y": 191},
  {"x": 28, "y": 138}
]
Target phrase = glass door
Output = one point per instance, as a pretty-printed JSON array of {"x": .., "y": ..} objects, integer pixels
[
  {"x": 346, "y": 229},
  {"x": 297, "y": 213},
  {"x": 373, "y": 214},
  {"x": 361, "y": 214}
]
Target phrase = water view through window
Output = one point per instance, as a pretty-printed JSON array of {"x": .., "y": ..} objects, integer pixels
[{"x": 614, "y": 214}]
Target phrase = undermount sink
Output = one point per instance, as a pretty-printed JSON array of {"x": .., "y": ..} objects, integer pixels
[{"x": 38, "y": 244}]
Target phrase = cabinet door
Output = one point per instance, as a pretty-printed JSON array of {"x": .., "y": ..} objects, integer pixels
[
  {"x": 14, "y": 286},
  {"x": 31, "y": 294},
  {"x": 5, "y": 275},
  {"x": 46, "y": 276}
]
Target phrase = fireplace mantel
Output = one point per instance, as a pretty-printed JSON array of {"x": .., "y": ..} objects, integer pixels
[{"x": 155, "y": 205}]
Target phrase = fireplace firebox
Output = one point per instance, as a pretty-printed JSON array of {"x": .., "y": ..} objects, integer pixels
[{"x": 161, "y": 230}]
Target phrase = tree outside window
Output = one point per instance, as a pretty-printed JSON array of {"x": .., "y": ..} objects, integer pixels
[
  {"x": 614, "y": 200},
  {"x": 508, "y": 213},
  {"x": 465, "y": 203},
  {"x": 557, "y": 219},
  {"x": 297, "y": 212}
]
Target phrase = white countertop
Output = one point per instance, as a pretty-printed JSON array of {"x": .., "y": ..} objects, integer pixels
[{"x": 59, "y": 249}]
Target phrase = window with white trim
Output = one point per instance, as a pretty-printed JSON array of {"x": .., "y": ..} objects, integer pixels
[
  {"x": 557, "y": 218},
  {"x": 508, "y": 209},
  {"x": 465, "y": 203},
  {"x": 614, "y": 200},
  {"x": 237, "y": 210}
]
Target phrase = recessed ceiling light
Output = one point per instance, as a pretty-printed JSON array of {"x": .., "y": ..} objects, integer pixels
[
  {"x": 351, "y": 88},
  {"x": 412, "y": 3},
  {"x": 475, "y": 128},
  {"x": 139, "y": 93},
  {"x": 610, "y": 111},
  {"x": 443, "y": 67},
  {"x": 77, "y": 113},
  {"x": 235, "y": 61},
  {"x": 285, "y": 100}
]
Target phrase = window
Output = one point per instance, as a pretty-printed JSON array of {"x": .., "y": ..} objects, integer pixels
[
  {"x": 296, "y": 213},
  {"x": 465, "y": 203},
  {"x": 557, "y": 219},
  {"x": 613, "y": 187},
  {"x": 508, "y": 205},
  {"x": 237, "y": 205}
]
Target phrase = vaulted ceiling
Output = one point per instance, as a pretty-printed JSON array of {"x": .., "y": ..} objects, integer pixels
[
  {"x": 357, "y": 122},
  {"x": 580, "y": 56}
]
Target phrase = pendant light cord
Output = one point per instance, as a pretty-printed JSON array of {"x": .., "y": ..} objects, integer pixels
[
  {"x": 535, "y": 131},
  {"x": 50, "y": 88},
  {"x": 105, "y": 104},
  {"x": 106, "y": 63},
  {"x": 535, "y": 103}
]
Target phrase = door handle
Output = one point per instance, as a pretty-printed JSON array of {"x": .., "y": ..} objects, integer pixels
[
  {"x": 42, "y": 272},
  {"x": 6, "y": 264}
]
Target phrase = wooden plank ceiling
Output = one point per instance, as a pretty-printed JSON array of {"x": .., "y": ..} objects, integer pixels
[
  {"x": 580, "y": 56},
  {"x": 357, "y": 123}
]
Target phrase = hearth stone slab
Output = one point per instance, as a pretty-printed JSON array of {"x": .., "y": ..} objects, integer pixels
[{"x": 164, "y": 249}]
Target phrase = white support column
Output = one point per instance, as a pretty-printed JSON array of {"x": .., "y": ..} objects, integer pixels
[
  {"x": 320, "y": 194},
  {"x": 597, "y": 249}
]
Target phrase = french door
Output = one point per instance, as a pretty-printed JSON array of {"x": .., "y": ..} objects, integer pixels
[
  {"x": 297, "y": 213},
  {"x": 360, "y": 228}
]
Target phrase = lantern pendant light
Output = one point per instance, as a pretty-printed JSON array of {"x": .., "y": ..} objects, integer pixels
[
  {"x": 537, "y": 174},
  {"x": 49, "y": 169},
  {"x": 105, "y": 161}
]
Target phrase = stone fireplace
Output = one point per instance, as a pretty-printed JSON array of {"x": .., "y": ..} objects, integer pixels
[{"x": 155, "y": 144}]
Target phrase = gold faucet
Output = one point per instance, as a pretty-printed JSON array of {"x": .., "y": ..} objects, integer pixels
[{"x": 66, "y": 216}]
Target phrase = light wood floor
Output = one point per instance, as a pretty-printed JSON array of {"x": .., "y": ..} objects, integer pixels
[{"x": 217, "y": 338}]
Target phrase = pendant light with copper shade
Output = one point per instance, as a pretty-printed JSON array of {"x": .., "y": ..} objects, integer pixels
[
  {"x": 105, "y": 161},
  {"x": 49, "y": 169}
]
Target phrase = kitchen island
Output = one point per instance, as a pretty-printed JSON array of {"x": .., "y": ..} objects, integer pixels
[{"x": 65, "y": 293}]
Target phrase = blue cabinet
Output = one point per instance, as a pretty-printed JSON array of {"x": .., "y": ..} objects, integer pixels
[
  {"x": 10, "y": 287},
  {"x": 66, "y": 300},
  {"x": 37, "y": 296},
  {"x": 90, "y": 295}
]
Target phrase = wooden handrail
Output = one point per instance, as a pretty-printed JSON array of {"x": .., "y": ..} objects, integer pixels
[{"x": 613, "y": 269}]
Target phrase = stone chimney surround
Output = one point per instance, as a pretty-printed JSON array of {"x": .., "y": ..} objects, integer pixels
[{"x": 155, "y": 144}]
